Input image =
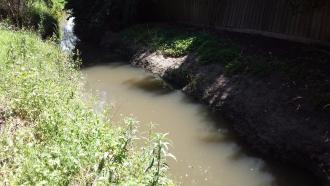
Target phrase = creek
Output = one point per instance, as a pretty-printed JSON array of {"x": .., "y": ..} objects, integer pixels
[{"x": 206, "y": 151}]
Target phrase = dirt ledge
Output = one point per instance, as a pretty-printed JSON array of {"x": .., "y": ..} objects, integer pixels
[{"x": 268, "y": 114}]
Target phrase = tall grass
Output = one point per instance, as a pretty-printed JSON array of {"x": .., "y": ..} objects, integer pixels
[{"x": 52, "y": 137}]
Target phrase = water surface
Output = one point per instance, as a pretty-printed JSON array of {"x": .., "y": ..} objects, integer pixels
[{"x": 207, "y": 154}]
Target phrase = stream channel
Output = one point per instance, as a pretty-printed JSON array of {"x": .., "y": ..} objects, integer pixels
[{"x": 207, "y": 152}]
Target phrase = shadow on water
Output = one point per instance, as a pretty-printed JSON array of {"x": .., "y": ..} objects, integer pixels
[
  {"x": 94, "y": 56},
  {"x": 222, "y": 134},
  {"x": 150, "y": 84},
  {"x": 296, "y": 176},
  {"x": 284, "y": 174}
]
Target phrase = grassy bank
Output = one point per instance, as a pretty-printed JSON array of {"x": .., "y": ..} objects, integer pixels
[
  {"x": 40, "y": 15},
  {"x": 302, "y": 67},
  {"x": 50, "y": 136},
  {"x": 208, "y": 49},
  {"x": 173, "y": 42}
]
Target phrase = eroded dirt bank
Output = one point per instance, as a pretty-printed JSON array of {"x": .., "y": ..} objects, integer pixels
[{"x": 269, "y": 114}]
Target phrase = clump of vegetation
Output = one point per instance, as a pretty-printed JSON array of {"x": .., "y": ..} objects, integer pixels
[
  {"x": 208, "y": 49},
  {"x": 41, "y": 15},
  {"x": 177, "y": 43},
  {"x": 256, "y": 65},
  {"x": 52, "y": 137}
]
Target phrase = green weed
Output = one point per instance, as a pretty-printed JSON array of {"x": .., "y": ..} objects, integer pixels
[
  {"x": 52, "y": 137},
  {"x": 256, "y": 65},
  {"x": 178, "y": 43}
]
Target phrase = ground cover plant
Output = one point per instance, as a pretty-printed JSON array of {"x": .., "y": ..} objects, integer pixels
[
  {"x": 208, "y": 49},
  {"x": 49, "y": 135},
  {"x": 301, "y": 66},
  {"x": 177, "y": 43}
]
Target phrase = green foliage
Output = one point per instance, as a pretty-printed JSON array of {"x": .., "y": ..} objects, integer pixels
[
  {"x": 219, "y": 54},
  {"x": 308, "y": 69},
  {"x": 169, "y": 42},
  {"x": 42, "y": 15},
  {"x": 207, "y": 48},
  {"x": 177, "y": 46},
  {"x": 235, "y": 67},
  {"x": 177, "y": 43},
  {"x": 255, "y": 65},
  {"x": 52, "y": 137}
]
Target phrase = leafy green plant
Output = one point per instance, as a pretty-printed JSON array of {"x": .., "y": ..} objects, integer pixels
[
  {"x": 259, "y": 66},
  {"x": 52, "y": 136},
  {"x": 160, "y": 153},
  {"x": 235, "y": 67},
  {"x": 177, "y": 43}
]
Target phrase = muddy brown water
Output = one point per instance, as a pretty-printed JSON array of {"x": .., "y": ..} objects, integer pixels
[{"x": 206, "y": 151}]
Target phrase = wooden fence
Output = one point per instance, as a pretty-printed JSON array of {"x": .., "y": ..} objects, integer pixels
[{"x": 276, "y": 18}]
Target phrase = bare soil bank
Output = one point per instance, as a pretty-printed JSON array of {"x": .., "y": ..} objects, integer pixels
[{"x": 270, "y": 114}]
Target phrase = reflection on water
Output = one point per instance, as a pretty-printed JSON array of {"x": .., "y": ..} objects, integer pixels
[{"x": 207, "y": 154}]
